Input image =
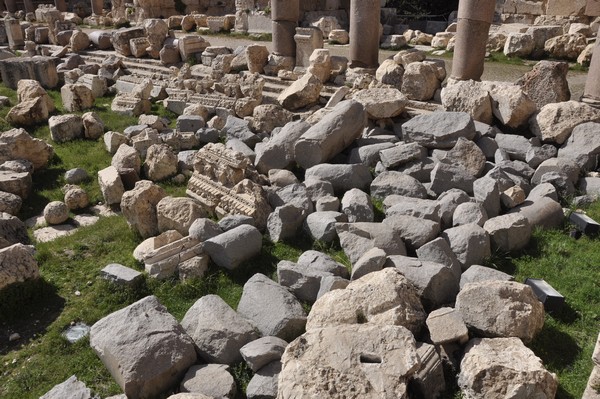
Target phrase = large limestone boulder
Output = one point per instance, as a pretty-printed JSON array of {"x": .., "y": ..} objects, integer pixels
[
  {"x": 390, "y": 73},
  {"x": 111, "y": 185},
  {"x": 470, "y": 243},
  {"x": 209, "y": 380},
  {"x": 439, "y": 129},
  {"x": 555, "y": 122},
  {"x": 56, "y": 212},
  {"x": 435, "y": 283},
  {"x": 358, "y": 238},
  {"x": 17, "y": 264},
  {"x": 583, "y": 146},
  {"x": 12, "y": 230},
  {"x": 161, "y": 162},
  {"x": 28, "y": 89},
  {"x": 76, "y": 97},
  {"x": 178, "y": 213},
  {"x": 126, "y": 158},
  {"x": 381, "y": 103},
  {"x": 359, "y": 360},
  {"x": 420, "y": 81},
  {"x": 565, "y": 46},
  {"x": 468, "y": 96},
  {"x": 519, "y": 45},
  {"x": 508, "y": 232},
  {"x": 217, "y": 330},
  {"x": 143, "y": 347},
  {"x": 501, "y": 309},
  {"x": 18, "y": 144},
  {"x": 511, "y": 105},
  {"x": 546, "y": 83},
  {"x": 271, "y": 308},
  {"x": 139, "y": 207},
  {"x": 504, "y": 367},
  {"x": 65, "y": 127},
  {"x": 383, "y": 298},
  {"x": 415, "y": 232},
  {"x": 28, "y": 113},
  {"x": 303, "y": 92},
  {"x": 235, "y": 246},
  {"x": 71, "y": 388}
]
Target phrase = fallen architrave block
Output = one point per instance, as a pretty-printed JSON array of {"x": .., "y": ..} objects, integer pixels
[
  {"x": 551, "y": 298},
  {"x": 162, "y": 262}
]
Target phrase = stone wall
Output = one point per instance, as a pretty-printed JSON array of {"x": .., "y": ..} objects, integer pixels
[{"x": 528, "y": 10}]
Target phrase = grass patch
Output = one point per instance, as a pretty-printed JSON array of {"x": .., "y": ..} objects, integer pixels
[
  {"x": 501, "y": 58},
  {"x": 567, "y": 340}
]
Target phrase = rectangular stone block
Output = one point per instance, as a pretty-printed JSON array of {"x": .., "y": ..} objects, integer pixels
[
  {"x": 584, "y": 223},
  {"x": 307, "y": 40},
  {"x": 551, "y": 298},
  {"x": 566, "y": 8},
  {"x": 120, "y": 274},
  {"x": 14, "y": 33},
  {"x": 42, "y": 69}
]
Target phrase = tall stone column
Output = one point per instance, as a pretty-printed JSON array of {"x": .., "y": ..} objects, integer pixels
[
  {"x": 285, "y": 15},
  {"x": 364, "y": 33},
  {"x": 591, "y": 92},
  {"x": 28, "y": 5},
  {"x": 61, "y": 5},
  {"x": 11, "y": 6},
  {"x": 474, "y": 20},
  {"x": 97, "y": 6}
]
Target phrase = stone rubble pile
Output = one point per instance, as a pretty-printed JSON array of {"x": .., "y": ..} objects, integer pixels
[
  {"x": 476, "y": 176},
  {"x": 453, "y": 189}
]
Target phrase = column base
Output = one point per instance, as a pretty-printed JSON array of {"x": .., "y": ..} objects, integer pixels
[{"x": 591, "y": 101}]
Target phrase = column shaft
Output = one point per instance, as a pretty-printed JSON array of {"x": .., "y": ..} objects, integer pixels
[
  {"x": 474, "y": 20},
  {"x": 60, "y": 5},
  {"x": 591, "y": 93},
  {"x": 11, "y": 6},
  {"x": 285, "y": 15},
  {"x": 97, "y": 6},
  {"x": 364, "y": 33}
]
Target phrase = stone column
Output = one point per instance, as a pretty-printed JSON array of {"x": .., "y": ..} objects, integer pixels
[
  {"x": 591, "y": 93},
  {"x": 364, "y": 33},
  {"x": 11, "y": 6},
  {"x": 28, "y": 5},
  {"x": 61, "y": 5},
  {"x": 474, "y": 20},
  {"x": 14, "y": 33},
  {"x": 285, "y": 15},
  {"x": 97, "y": 6}
]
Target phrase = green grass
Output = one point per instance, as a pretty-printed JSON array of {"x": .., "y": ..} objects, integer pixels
[{"x": 572, "y": 267}]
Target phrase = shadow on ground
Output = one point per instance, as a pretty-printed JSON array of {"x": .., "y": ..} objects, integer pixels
[{"x": 28, "y": 309}]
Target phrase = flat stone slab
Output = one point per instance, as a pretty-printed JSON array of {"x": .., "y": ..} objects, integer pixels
[
  {"x": 51, "y": 233},
  {"x": 120, "y": 274}
]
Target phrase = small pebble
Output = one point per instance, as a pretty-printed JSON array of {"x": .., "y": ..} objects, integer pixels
[
  {"x": 14, "y": 337},
  {"x": 77, "y": 293}
]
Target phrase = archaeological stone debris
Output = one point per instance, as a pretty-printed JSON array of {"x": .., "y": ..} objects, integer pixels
[{"x": 418, "y": 173}]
